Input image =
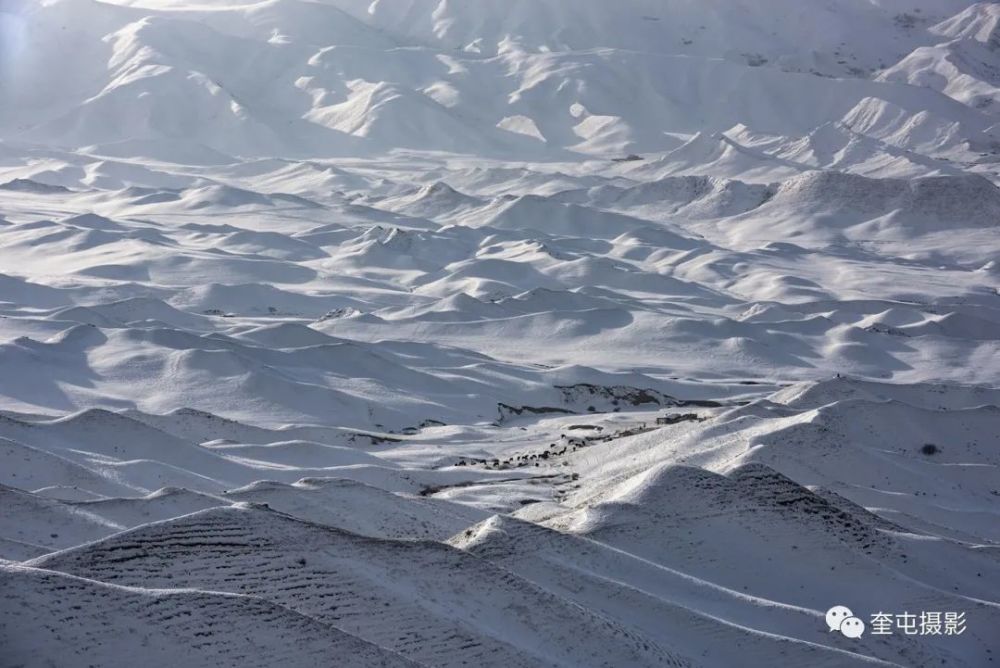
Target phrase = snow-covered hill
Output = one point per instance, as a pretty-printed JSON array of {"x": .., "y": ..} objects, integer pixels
[{"x": 498, "y": 332}]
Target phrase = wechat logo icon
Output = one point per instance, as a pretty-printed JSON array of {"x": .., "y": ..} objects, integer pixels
[{"x": 840, "y": 618}]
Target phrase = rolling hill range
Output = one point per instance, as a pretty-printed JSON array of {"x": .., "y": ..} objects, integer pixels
[{"x": 499, "y": 333}]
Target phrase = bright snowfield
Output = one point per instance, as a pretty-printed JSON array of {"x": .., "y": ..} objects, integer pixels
[{"x": 336, "y": 332}]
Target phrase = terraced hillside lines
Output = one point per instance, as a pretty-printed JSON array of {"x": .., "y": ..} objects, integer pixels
[
  {"x": 665, "y": 603},
  {"x": 421, "y": 599},
  {"x": 52, "y": 618}
]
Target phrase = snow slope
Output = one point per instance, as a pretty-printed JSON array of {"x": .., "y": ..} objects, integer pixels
[{"x": 561, "y": 332}]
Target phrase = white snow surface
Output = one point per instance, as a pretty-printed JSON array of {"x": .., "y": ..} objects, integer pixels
[{"x": 336, "y": 332}]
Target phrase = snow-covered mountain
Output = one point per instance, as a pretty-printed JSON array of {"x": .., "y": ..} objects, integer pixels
[{"x": 498, "y": 332}]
